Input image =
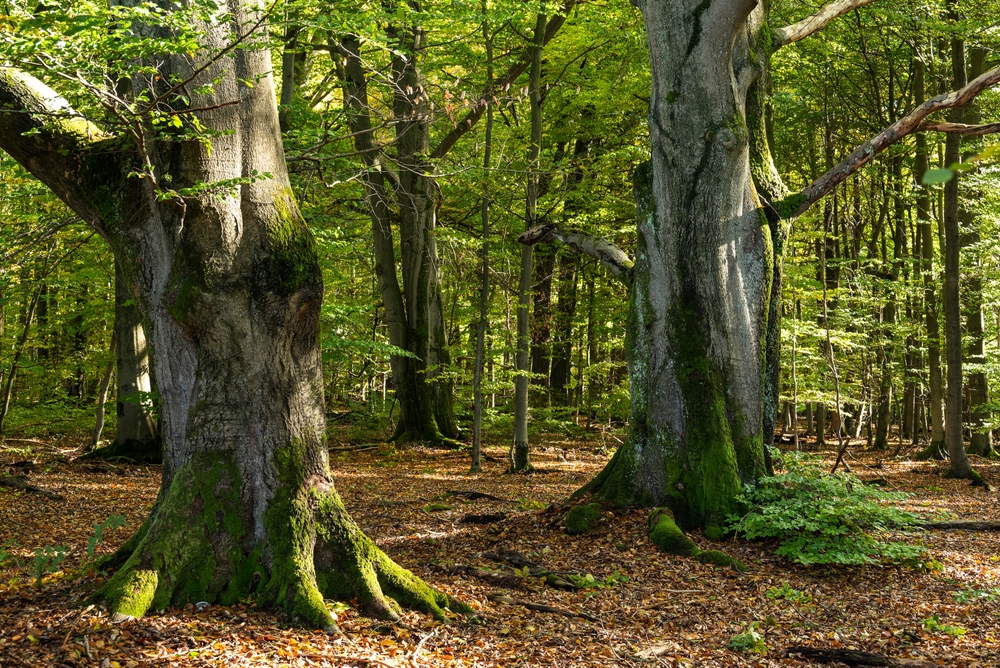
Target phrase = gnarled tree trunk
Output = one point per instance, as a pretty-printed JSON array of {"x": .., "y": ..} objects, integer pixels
[
  {"x": 701, "y": 285},
  {"x": 231, "y": 287}
]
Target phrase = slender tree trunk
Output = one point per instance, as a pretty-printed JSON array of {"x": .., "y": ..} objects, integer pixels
[
  {"x": 418, "y": 218},
  {"x": 16, "y": 359},
  {"x": 484, "y": 290},
  {"x": 981, "y": 442},
  {"x": 930, "y": 293},
  {"x": 541, "y": 315},
  {"x": 102, "y": 394},
  {"x": 562, "y": 343},
  {"x": 137, "y": 436},
  {"x": 960, "y": 467},
  {"x": 519, "y": 458}
]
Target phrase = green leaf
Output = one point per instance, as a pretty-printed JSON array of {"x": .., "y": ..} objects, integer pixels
[{"x": 932, "y": 176}]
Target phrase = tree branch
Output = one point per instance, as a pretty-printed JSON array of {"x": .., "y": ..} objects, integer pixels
[
  {"x": 814, "y": 23},
  {"x": 961, "y": 128},
  {"x": 795, "y": 205},
  {"x": 479, "y": 106},
  {"x": 49, "y": 138},
  {"x": 614, "y": 258}
]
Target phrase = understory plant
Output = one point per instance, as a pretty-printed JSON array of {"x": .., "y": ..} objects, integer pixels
[{"x": 823, "y": 518}]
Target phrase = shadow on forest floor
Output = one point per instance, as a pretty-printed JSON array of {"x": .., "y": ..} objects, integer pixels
[{"x": 684, "y": 610}]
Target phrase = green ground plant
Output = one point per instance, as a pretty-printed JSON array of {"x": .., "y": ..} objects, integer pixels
[{"x": 822, "y": 518}]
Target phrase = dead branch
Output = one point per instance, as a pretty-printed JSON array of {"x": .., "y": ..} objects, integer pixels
[
  {"x": 539, "y": 607},
  {"x": 853, "y": 657},
  {"x": 473, "y": 495},
  {"x": 483, "y": 519},
  {"x": 795, "y": 205},
  {"x": 961, "y": 128},
  {"x": 495, "y": 579},
  {"x": 612, "y": 257},
  {"x": 21, "y": 483},
  {"x": 814, "y": 23}
]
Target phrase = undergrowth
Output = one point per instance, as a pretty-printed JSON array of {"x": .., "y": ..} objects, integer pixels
[{"x": 823, "y": 518}]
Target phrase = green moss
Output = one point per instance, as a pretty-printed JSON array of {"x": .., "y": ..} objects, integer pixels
[
  {"x": 580, "y": 518},
  {"x": 719, "y": 558},
  {"x": 289, "y": 522},
  {"x": 436, "y": 507},
  {"x": 133, "y": 593},
  {"x": 292, "y": 262},
  {"x": 713, "y": 532},
  {"x": 192, "y": 543},
  {"x": 667, "y": 536},
  {"x": 789, "y": 206}
]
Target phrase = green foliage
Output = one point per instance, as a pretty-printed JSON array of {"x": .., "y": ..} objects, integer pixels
[
  {"x": 825, "y": 519},
  {"x": 970, "y": 594},
  {"x": 749, "y": 640},
  {"x": 588, "y": 581},
  {"x": 47, "y": 560},
  {"x": 787, "y": 593},
  {"x": 530, "y": 504},
  {"x": 934, "y": 625},
  {"x": 112, "y": 522}
]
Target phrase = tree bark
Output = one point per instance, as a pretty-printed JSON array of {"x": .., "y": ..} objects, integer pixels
[
  {"x": 981, "y": 442},
  {"x": 519, "y": 454},
  {"x": 960, "y": 467},
  {"x": 930, "y": 283},
  {"x": 102, "y": 393},
  {"x": 137, "y": 436},
  {"x": 701, "y": 284},
  {"x": 231, "y": 288},
  {"x": 426, "y": 337},
  {"x": 484, "y": 288}
]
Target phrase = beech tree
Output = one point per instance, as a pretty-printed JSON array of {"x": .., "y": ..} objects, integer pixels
[
  {"x": 713, "y": 216},
  {"x": 190, "y": 188}
]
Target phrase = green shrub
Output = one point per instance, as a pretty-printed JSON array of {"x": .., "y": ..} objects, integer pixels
[
  {"x": 749, "y": 640},
  {"x": 934, "y": 625},
  {"x": 825, "y": 519}
]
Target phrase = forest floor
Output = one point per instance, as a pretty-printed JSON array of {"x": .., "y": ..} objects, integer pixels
[{"x": 643, "y": 607}]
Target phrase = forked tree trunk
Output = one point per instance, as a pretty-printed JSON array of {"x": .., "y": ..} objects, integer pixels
[{"x": 231, "y": 287}]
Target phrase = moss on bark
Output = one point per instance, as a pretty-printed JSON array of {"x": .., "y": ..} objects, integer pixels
[
  {"x": 197, "y": 546},
  {"x": 580, "y": 519},
  {"x": 667, "y": 536}
]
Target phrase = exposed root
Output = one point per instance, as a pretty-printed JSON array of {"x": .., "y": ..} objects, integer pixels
[
  {"x": 194, "y": 548},
  {"x": 349, "y": 565}
]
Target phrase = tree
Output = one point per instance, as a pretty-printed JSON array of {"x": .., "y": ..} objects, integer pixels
[
  {"x": 200, "y": 214},
  {"x": 713, "y": 215}
]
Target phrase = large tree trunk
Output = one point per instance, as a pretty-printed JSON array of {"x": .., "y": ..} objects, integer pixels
[
  {"x": 426, "y": 338},
  {"x": 701, "y": 285},
  {"x": 231, "y": 287}
]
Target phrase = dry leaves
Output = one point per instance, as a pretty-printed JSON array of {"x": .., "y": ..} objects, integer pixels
[{"x": 672, "y": 611}]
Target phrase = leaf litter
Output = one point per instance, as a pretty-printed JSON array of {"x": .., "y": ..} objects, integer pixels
[{"x": 629, "y": 604}]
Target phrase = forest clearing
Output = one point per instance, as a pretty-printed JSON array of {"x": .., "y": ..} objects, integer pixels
[{"x": 665, "y": 610}]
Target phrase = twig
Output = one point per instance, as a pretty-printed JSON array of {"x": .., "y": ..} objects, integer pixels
[
  {"x": 539, "y": 607},
  {"x": 420, "y": 646}
]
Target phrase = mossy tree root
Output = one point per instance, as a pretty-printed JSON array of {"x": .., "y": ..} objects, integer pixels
[
  {"x": 667, "y": 536},
  {"x": 936, "y": 450},
  {"x": 198, "y": 546}
]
